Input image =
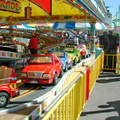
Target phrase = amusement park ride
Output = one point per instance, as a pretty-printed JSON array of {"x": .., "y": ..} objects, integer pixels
[{"x": 44, "y": 67}]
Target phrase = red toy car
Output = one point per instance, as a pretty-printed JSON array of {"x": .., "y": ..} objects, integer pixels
[
  {"x": 42, "y": 69},
  {"x": 8, "y": 87},
  {"x": 7, "y": 91}
]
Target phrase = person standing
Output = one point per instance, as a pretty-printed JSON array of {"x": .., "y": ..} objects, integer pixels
[{"x": 33, "y": 44}]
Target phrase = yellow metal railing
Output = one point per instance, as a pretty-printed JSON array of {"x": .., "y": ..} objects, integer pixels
[
  {"x": 118, "y": 64},
  {"x": 110, "y": 61},
  {"x": 69, "y": 104},
  {"x": 95, "y": 69}
]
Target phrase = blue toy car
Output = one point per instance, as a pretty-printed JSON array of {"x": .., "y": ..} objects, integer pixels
[{"x": 64, "y": 57}]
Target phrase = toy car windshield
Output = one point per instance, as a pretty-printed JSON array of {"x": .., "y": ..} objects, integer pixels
[
  {"x": 69, "y": 49},
  {"x": 58, "y": 54},
  {"x": 41, "y": 59}
]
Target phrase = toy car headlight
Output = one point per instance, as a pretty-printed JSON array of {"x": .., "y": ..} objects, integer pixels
[
  {"x": 24, "y": 74},
  {"x": 47, "y": 75}
]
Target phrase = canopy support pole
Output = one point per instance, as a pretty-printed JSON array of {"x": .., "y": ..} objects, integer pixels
[{"x": 92, "y": 36}]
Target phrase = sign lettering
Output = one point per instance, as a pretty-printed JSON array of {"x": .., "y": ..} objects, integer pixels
[{"x": 10, "y": 5}]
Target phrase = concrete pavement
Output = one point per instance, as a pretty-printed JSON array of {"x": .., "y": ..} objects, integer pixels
[{"x": 104, "y": 101}]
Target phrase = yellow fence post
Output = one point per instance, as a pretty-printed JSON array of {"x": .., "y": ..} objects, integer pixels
[{"x": 118, "y": 64}]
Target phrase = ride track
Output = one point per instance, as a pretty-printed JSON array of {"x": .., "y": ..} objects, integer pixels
[
  {"x": 31, "y": 96},
  {"x": 27, "y": 94}
]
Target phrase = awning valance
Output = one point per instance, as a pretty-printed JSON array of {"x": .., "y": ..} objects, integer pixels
[{"x": 77, "y": 25}]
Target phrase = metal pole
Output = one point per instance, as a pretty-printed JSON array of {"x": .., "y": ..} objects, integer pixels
[{"x": 92, "y": 36}]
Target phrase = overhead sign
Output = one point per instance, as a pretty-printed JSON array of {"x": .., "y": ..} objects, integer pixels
[{"x": 10, "y": 5}]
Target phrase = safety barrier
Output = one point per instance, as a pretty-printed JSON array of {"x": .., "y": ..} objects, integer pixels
[
  {"x": 118, "y": 64},
  {"x": 110, "y": 62},
  {"x": 95, "y": 69},
  {"x": 69, "y": 104}
]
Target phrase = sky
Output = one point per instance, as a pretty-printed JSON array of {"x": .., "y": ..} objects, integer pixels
[{"x": 113, "y": 5}]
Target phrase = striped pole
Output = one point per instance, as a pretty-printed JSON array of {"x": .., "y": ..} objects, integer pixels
[{"x": 92, "y": 36}]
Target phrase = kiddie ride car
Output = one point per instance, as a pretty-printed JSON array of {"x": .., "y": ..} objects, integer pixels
[
  {"x": 42, "y": 69},
  {"x": 85, "y": 53},
  {"x": 73, "y": 52},
  {"x": 66, "y": 60},
  {"x": 8, "y": 87}
]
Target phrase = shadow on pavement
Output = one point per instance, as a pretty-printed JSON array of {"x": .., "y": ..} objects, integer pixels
[
  {"x": 108, "y": 80},
  {"x": 110, "y": 107}
]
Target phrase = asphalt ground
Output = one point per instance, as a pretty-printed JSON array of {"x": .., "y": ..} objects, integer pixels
[{"x": 104, "y": 100}]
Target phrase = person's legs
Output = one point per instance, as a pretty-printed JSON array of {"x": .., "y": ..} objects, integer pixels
[{"x": 33, "y": 51}]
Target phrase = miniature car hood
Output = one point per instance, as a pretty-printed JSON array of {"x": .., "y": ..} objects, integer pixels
[{"x": 44, "y": 68}]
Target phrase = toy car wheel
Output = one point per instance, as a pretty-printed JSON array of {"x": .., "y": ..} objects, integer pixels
[
  {"x": 4, "y": 99},
  {"x": 66, "y": 68},
  {"x": 83, "y": 57},
  {"x": 55, "y": 79},
  {"x": 74, "y": 62},
  {"x": 79, "y": 59},
  {"x": 70, "y": 65},
  {"x": 89, "y": 55},
  {"x": 61, "y": 73}
]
